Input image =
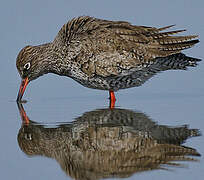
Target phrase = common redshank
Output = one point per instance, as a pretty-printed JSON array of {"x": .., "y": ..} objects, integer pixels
[{"x": 106, "y": 55}]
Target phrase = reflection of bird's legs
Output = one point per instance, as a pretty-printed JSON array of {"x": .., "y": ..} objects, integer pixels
[
  {"x": 112, "y": 99},
  {"x": 23, "y": 114}
]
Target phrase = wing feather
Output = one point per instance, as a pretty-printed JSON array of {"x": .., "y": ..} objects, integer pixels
[{"x": 109, "y": 46}]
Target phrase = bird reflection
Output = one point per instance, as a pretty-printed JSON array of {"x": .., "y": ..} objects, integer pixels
[{"x": 107, "y": 143}]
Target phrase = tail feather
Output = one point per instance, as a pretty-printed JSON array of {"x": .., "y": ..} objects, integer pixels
[
  {"x": 176, "y": 135},
  {"x": 176, "y": 39},
  {"x": 165, "y": 34},
  {"x": 177, "y": 61},
  {"x": 179, "y": 46},
  {"x": 168, "y": 43},
  {"x": 166, "y": 27}
]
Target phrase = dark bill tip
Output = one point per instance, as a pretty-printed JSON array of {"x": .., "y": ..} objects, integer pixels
[
  {"x": 23, "y": 114},
  {"x": 22, "y": 88}
]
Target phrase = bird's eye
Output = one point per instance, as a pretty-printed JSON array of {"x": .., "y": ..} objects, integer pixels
[
  {"x": 28, "y": 136},
  {"x": 27, "y": 66}
]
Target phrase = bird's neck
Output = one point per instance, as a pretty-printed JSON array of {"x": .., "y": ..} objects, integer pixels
[
  {"x": 50, "y": 59},
  {"x": 61, "y": 59},
  {"x": 58, "y": 59}
]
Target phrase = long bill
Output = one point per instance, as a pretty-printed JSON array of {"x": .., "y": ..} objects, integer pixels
[{"x": 22, "y": 88}]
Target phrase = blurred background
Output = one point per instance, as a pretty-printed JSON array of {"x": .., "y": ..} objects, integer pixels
[{"x": 170, "y": 98}]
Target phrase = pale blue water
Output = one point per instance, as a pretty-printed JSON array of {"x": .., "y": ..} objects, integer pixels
[{"x": 171, "y": 98}]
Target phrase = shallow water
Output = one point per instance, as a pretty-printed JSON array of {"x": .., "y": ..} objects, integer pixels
[
  {"x": 71, "y": 120},
  {"x": 105, "y": 130},
  {"x": 107, "y": 143}
]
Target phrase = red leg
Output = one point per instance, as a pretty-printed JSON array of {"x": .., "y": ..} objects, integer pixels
[{"x": 112, "y": 99}]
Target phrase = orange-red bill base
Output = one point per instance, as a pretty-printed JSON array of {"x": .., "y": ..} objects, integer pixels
[{"x": 22, "y": 88}]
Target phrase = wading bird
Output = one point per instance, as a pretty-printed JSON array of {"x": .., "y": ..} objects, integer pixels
[{"x": 106, "y": 55}]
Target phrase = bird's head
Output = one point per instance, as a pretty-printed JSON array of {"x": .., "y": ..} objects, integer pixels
[{"x": 30, "y": 64}]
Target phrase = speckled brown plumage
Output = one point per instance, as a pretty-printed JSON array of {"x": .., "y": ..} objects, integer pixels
[
  {"x": 107, "y": 55},
  {"x": 107, "y": 143}
]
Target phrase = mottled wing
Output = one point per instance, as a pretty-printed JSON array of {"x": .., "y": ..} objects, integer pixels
[{"x": 107, "y": 48}]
